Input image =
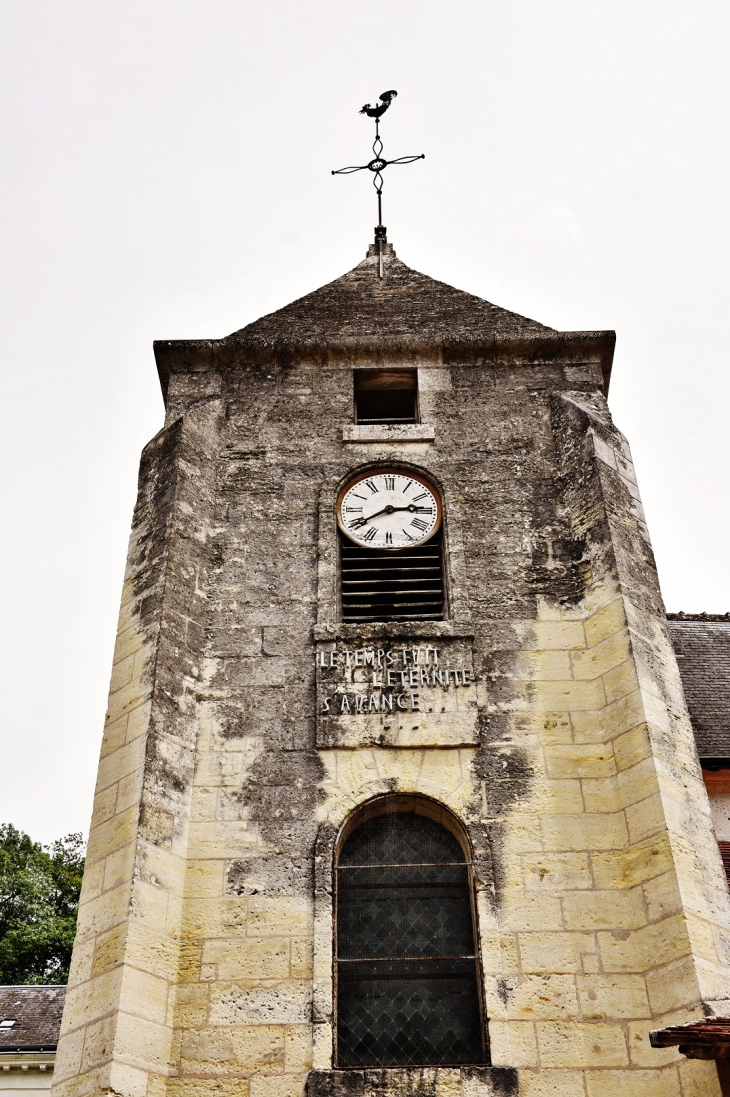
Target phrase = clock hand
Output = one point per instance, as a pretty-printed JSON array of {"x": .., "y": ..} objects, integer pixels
[{"x": 390, "y": 509}]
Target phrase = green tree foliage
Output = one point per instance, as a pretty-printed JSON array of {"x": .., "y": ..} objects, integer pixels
[{"x": 39, "y": 898}]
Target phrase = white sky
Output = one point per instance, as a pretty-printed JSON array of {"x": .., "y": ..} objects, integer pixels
[{"x": 166, "y": 174}]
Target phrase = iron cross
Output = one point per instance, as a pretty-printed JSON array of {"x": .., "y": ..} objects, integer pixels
[{"x": 378, "y": 165}]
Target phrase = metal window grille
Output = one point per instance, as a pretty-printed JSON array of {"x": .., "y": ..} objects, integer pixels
[
  {"x": 382, "y": 585},
  {"x": 406, "y": 969}
]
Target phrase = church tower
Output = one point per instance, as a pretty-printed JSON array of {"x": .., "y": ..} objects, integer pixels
[{"x": 398, "y": 791}]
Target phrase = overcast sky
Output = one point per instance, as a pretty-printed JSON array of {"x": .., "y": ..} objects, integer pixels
[{"x": 166, "y": 174}]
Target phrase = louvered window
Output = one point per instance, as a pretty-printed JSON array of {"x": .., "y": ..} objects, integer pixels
[
  {"x": 383, "y": 585},
  {"x": 406, "y": 969}
]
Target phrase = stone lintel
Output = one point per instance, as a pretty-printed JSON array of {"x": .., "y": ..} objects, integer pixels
[
  {"x": 405, "y": 631},
  {"x": 401, "y": 432}
]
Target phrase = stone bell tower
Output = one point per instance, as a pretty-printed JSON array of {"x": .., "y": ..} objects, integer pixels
[{"x": 397, "y": 791}]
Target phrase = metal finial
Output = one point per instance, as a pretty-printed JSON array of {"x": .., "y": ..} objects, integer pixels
[{"x": 378, "y": 165}]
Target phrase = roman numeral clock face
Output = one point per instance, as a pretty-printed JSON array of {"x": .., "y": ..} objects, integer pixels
[{"x": 388, "y": 510}]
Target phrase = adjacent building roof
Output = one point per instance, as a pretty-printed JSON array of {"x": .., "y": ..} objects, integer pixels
[
  {"x": 702, "y": 644},
  {"x": 706, "y": 1039},
  {"x": 36, "y": 1011}
]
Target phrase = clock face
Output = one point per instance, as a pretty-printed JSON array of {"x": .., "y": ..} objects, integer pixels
[{"x": 388, "y": 510}]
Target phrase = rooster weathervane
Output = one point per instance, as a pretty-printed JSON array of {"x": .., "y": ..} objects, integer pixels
[{"x": 378, "y": 165}]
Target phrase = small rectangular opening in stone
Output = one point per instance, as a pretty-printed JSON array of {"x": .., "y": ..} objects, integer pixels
[{"x": 386, "y": 396}]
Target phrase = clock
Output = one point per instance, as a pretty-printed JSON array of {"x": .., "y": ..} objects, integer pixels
[{"x": 388, "y": 509}]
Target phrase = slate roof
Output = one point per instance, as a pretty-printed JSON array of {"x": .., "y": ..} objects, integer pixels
[
  {"x": 702, "y": 644},
  {"x": 404, "y": 303},
  {"x": 37, "y": 1012}
]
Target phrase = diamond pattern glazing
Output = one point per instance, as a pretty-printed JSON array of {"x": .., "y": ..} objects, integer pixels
[{"x": 406, "y": 970}]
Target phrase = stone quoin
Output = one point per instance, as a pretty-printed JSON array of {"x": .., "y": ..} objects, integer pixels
[{"x": 416, "y": 810}]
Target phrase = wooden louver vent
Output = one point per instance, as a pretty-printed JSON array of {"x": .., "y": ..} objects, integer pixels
[
  {"x": 725, "y": 854},
  {"x": 378, "y": 585}
]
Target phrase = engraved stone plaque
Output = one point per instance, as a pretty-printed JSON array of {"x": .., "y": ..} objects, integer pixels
[{"x": 396, "y": 693}]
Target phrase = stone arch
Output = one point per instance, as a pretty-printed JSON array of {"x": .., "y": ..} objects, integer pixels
[{"x": 343, "y": 815}]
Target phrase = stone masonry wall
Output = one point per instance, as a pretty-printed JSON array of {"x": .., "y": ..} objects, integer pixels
[
  {"x": 116, "y": 1033},
  {"x": 204, "y": 958}
]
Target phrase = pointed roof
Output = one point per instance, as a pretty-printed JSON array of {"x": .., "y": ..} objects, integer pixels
[
  {"x": 404, "y": 311},
  {"x": 403, "y": 306}
]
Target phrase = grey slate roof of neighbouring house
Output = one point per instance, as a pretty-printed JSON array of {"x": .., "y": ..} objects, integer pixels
[
  {"x": 36, "y": 1011},
  {"x": 702, "y": 644}
]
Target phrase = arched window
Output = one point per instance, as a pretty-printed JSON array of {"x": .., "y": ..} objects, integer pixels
[
  {"x": 390, "y": 547},
  {"x": 406, "y": 969}
]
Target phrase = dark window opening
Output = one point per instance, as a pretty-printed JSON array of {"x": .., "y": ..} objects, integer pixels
[
  {"x": 392, "y": 585},
  {"x": 716, "y": 775},
  {"x": 386, "y": 396},
  {"x": 406, "y": 964},
  {"x": 725, "y": 854}
]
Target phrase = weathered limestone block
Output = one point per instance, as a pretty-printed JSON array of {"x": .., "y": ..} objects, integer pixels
[{"x": 400, "y": 1082}]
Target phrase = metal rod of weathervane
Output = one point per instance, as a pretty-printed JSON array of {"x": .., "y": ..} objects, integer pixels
[{"x": 377, "y": 166}]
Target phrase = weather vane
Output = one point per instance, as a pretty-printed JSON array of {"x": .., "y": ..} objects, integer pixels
[{"x": 378, "y": 165}]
